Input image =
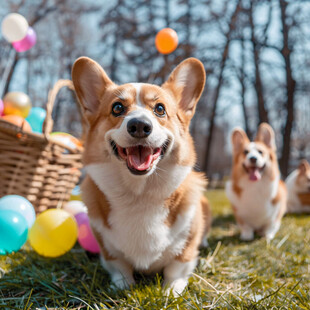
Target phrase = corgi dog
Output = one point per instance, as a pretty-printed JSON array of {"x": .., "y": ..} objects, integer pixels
[
  {"x": 257, "y": 195},
  {"x": 145, "y": 202},
  {"x": 298, "y": 189}
]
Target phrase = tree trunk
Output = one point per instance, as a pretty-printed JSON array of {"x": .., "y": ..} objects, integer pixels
[
  {"x": 188, "y": 46},
  {"x": 261, "y": 107},
  {"x": 290, "y": 90},
  {"x": 165, "y": 70},
  {"x": 225, "y": 55},
  {"x": 243, "y": 90},
  {"x": 9, "y": 78},
  {"x": 115, "y": 49}
]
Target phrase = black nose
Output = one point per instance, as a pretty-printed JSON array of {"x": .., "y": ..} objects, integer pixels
[
  {"x": 253, "y": 160},
  {"x": 139, "y": 127}
]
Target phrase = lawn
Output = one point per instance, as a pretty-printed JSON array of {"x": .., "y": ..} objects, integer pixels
[{"x": 231, "y": 274}]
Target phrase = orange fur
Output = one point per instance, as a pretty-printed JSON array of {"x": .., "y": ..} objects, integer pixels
[
  {"x": 179, "y": 201},
  {"x": 303, "y": 173},
  {"x": 97, "y": 204},
  {"x": 281, "y": 198},
  {"x": 304, "y": 199}
]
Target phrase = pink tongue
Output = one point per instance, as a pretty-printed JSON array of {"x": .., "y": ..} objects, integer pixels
[
  {"x": 255, "y": 174},
  {"x": 139, "y": 157}
]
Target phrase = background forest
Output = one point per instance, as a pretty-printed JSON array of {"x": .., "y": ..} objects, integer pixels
[{"x": 256, "y": 55}]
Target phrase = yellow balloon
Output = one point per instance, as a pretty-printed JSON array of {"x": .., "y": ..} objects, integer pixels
[
  {"x": 16, "y": 103},
  {"x": 53, "y": 233}
]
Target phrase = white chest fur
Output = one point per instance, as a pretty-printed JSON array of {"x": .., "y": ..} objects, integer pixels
[
  {"x": 138, "y": 231},
  {"x": 293, "y": 203},
  {"x": 254, "y": 205}
]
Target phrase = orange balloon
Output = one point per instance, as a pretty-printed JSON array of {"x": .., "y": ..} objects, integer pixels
[
  {"x": 16, "y": 103},
  {"x": 166, "y": 41},
  {"x": 18, "y": 121}
]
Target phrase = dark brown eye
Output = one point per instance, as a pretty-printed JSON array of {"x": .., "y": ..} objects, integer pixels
[
  {"x": 159, "y": 110},
  {"x": 118, "y": 109},
  {"x": 260, "y": 152},
  {"x": 245, "y": 152}
]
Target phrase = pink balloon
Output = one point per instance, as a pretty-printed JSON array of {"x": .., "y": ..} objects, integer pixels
[
  {"x": 85, "y": 237},
  {"x": 1, "y": 107},
  {"x": 27, "y": 42}
]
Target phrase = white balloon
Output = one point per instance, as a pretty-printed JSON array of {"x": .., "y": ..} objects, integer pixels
[{"x": 14, "y": 27}]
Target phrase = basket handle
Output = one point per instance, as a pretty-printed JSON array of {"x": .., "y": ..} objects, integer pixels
[{"x": 52, "y": 94}]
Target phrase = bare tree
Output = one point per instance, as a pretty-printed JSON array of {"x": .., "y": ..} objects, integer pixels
[
  {"x": 225, "y": 55},
  {"x": 286, "y": 53},
  {"x": 259, "y": 90},
  {"x": 242, "y": 78}
]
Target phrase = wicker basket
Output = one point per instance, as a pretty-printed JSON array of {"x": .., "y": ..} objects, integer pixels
[{"x": 36, "y": 167}]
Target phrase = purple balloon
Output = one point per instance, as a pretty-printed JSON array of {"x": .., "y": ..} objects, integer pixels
[
  {"x": 27, "y": 42},
  {"x": 1, "y": 107},
  {"x": 85, "y": 237}
]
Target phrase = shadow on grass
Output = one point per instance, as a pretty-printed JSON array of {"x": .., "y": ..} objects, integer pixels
[
  {"x": 223, "y": 220},
  {"x": 52, "y": 281},
  {"x": 225, "y": 230},
  {"x": 69, "y": 282},
  {"x": 297, "y": 215}
]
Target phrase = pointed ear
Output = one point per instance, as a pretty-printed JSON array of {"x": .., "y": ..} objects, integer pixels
[
  {"x": 238, "y": 139},
  {"x": 303, "y": 167},
  {"x": 186, "y": 82},
  {"x": 266, "y": 135},
  {"x": 90, "y": 82}
]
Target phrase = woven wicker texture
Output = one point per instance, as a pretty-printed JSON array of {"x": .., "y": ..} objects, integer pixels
[{"x": 36, "y": 167}]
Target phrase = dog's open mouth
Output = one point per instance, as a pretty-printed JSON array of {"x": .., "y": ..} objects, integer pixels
[
  {"x": 139, "y": 158},
  {"x": 254, "y": 172}
]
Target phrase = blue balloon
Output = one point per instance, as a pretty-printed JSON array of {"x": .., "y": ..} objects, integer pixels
[
  {"x": 21, "y": 205},
  {"x": 13, "y": 231},
  {"x": 36, "y": 118}
]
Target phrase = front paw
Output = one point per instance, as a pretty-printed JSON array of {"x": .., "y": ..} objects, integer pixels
[
  {"x": 122, "y": 283},
  {"x": 176, "y": 287},
  {"x": 247, "y": 235}
]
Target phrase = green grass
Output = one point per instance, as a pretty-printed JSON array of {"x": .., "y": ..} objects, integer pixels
[{"x": 231, "y": 274}]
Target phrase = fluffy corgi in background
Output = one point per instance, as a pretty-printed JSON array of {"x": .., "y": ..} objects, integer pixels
[
  {"x": 145, "y": 202},
  {"x": 298, "y": 189},
  {"x": 256, "y": 193}
]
